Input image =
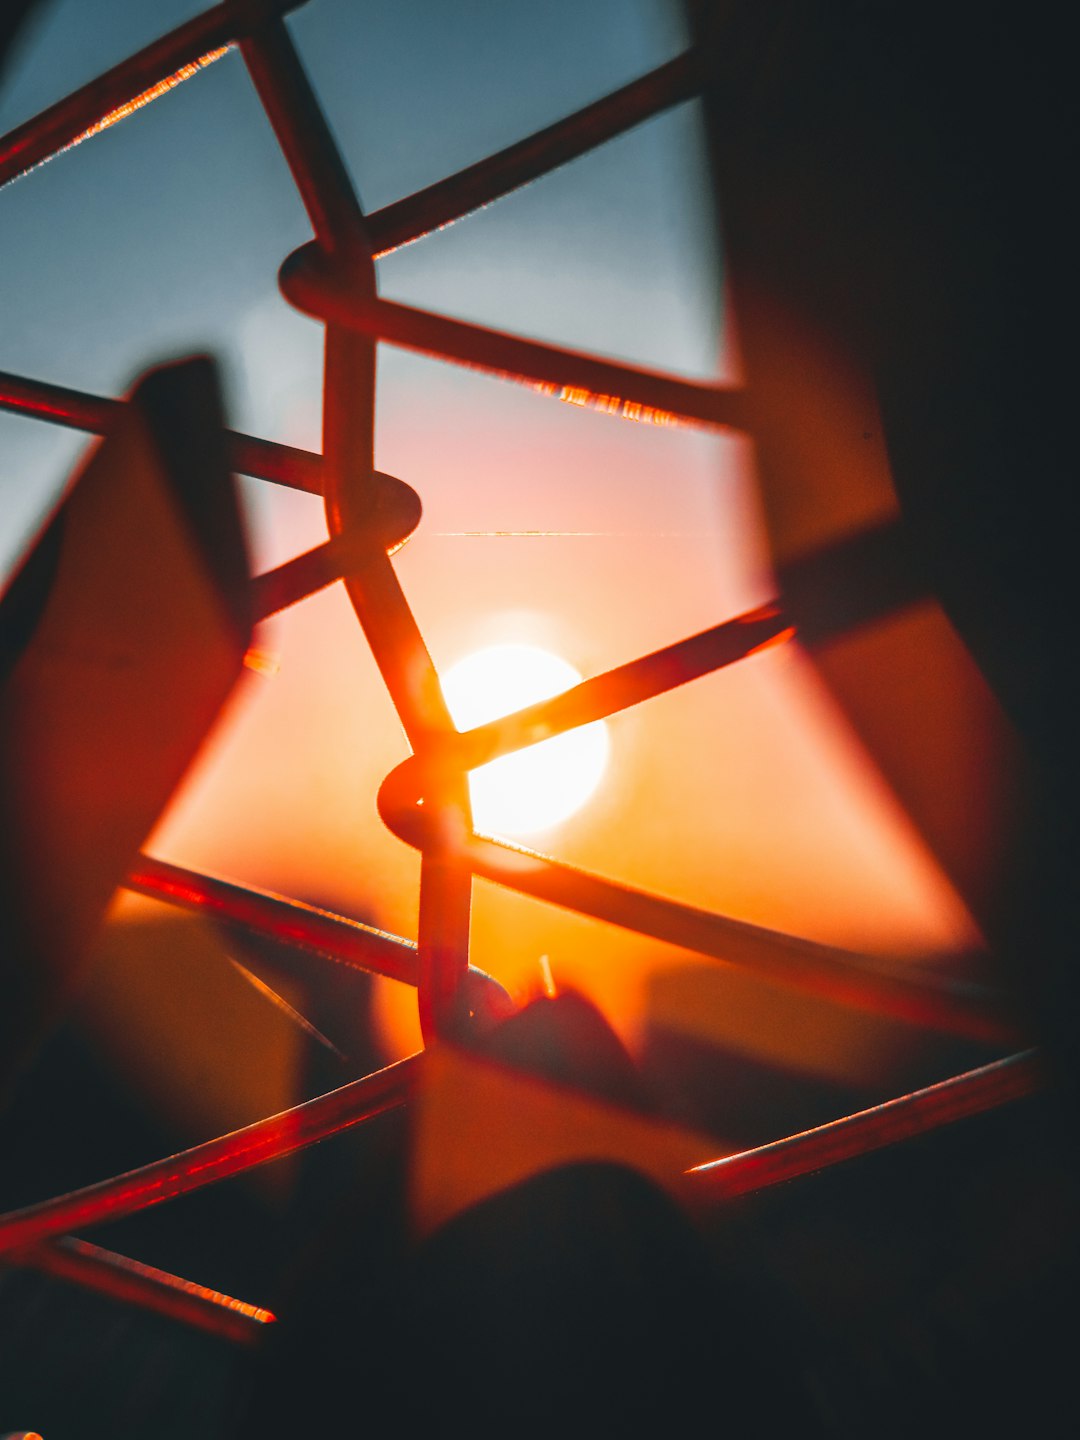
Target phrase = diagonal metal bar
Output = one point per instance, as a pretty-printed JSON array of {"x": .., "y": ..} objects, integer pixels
[
  {"x": 478, "y": 185},
  {"x": 316, "y": 166},
  {"x": 878, "y": 986},
  {"x": 275, "y": 918},
  {"x": 860, "y": 982},
  {"x": 134, "y": 1283},
  {"x": 215, "y": 1160},
  {"x": 294, "y": 580},
  {"x": 300, "y": 927},
  {"x": 136, "y": 79},
  {"x": 96, "y": 414},
  {"x": 626, "y": 685},
  {"x": 589, "y": 380},
  {"x": 971, "y": 1093}
]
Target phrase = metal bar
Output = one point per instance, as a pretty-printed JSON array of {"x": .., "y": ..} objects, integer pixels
[
  {"x": 317, "y": 168},
  {"x": 879, "y": 986},
  {"x": 408, "y": 672},
  {"x": 78, "y": 410},
  {"x": 507, "y": 170},
  {"x": 289, "y": 583},
  {"x": 588, "y": 380},
  {"x": 444, "y": 921},
  {"x": 626, "y": 685},
  {"x": 134, "y": 1283},
  {"x": 595, "y": 699},
  {"x": 215, "y": 1160},
  {"x": 301, "y": 927},
  {"x": 69, "y": 119},
  {"x": 841, "y": 977},
  {"x": 275, "y": 918},
  {"x": 349, "y": 377},
  {"x": 901, "y": 1119},
  {"x": 445, "y": 882}
]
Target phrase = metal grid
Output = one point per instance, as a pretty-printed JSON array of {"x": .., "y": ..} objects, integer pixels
[{"x": 369, "y": 516}]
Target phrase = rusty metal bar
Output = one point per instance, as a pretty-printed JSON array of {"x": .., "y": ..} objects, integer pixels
[
  {"x": 971, "y": 1093},
  {"x": 626, "y": 685},
  {"x": 841, "y": 977},
  {"x": 215, "y": 1160},
  {"x": 273, "y": 917},
  {"x": 134, "y": 1283},
  {"x": 317, "y": 168},
  {"x": 439, "y": 205},
  {"x": 588, "y": 380},
  {"x": 96, "y": 414},
  {"x": 158, "y": 63},
  {"x": 859, "y": 982},
  {"x": 294, "y": 580}
]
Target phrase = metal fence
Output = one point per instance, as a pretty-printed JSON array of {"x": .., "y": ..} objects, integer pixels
[{"x": 369, "y": 515}]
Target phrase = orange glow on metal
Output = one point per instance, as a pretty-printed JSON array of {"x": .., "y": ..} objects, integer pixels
[
  {"x": 780, "y": 638},
  {"x": 550, "y": 988},
  {"x": 170, "y": 82},
  {"x": 188, "y": 1287},
  {"x": 610, "y": 404}
]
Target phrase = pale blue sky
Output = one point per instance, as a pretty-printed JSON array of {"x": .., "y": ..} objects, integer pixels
[{"x": 165, "y": 234}]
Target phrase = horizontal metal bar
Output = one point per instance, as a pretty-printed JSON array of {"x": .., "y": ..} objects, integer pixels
[
  {"x": 69, "y": 119},
  {"x": 134, "y": 1283},
  {"x": 218, "y": 1159},
  {"x": 589, "y": 380},
  {"x": 924, "y": 1110},
  {"x": 273, "y": 917},
  {"x": 79, "y": 410},
  {"x": 497, "y": 175}
]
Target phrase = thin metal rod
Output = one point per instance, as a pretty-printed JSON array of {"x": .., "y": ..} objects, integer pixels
[
  {"x": 478, "y": 185},
  {"x": 626, "y": 685},
  {"x": 97, "y": 414},
  {"x": 69, "y": 119},
  {"x": 588, "y": 380},
  {"x": 594, "y": 699},
  {"x": 445, "y": 881},
  {"x": 215, "y": 1160},
  {"x": 314, "y": 161},
  {"x": 134, "y": 1283},
  {"x": 304, "y": 575},
  {"x": 291, "y": 923},
  {"x": 842, "y": 977},
  {"x": 859, "y": 982},
  {"x": 275, "y": 918},
  {"x": 955, "y": 1099}
]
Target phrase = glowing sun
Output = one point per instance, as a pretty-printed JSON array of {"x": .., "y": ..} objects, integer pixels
[{"x": 533, "y": 789}]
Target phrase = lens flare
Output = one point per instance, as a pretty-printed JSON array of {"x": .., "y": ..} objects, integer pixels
[{"x": 535, "y": 789}]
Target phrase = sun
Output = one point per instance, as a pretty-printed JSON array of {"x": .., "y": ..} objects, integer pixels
[{"x": 535, "y": 789}]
